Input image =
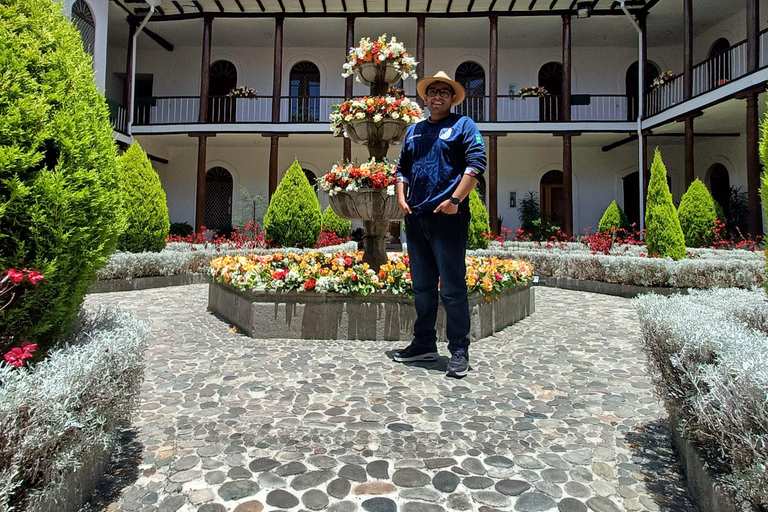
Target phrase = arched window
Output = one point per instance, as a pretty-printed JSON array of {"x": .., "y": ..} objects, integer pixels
[
  {"x": 311, "y": 177},
  {"x": 82, "y": 17},
  {"x": 720, "y": 63},
  {"x": 551, "y": 194},
  {"x": 472, "y": 77},
  {"x": 651, "y": 72},
  {"x": 305, "y": 93},
  {"x": 222, "y": 78},
  {"x": 551, "y": 78},
  {"x": 218, "y": 200},
  {"x": 720, "y": 187}
]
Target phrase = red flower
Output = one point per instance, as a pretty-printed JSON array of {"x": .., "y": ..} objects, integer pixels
[
  {"x": 309, "y": 284},
  {"x": 35, "y": 277},
  {"x": 15, "y": 276},
  {"x": 17, "y": 355},
  {"x": 347, "y": 261},
  {"x": 498, "y": 276}
]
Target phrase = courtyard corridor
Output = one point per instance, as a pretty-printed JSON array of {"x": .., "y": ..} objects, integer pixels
[{"x": 558, "y": 413}]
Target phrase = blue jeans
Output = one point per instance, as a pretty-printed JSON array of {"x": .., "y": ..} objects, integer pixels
[{"x": 437, "y": 246}]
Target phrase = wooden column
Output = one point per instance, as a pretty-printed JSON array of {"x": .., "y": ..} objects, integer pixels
[
  {"x": 568, "y": 184},
  {"x": 493, "y": 62},
  {"x": 641, "y": 20},
  {"x": 646, "y": 171},
  {"x": 205, "y": 73},
  {"x": 349, "y": 81},
  {"x": 202, "y": 149},
  {"x": 277, "y": 76},
  {"x": 273, "y": 154},
  {"x": 492, "y": 184},
  {"x": 753, "y": 166},
  {"x": 688, "y": 49},
  {"x": 753, "y": 35},
  {"x": 128, "y": 88},
  {"x": 566, "y": 103},
  {"x": 420, "y": 67},
  {"x": 689, "y": 174}
]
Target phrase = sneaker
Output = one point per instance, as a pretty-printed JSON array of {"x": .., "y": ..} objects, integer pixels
[
  {"x": 413, "y": 353},
  {"x": 458, "y": 366}
]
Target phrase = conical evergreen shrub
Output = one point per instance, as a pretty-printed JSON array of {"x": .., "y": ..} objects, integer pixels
[
  {"x": 663, "y": 235},
  {"x": 146, "y": 209},
  {"x": 294, "y": 215},
  {"x": 697, "y": 215},
  {"x": 60, "y": 206},
  {"x": 332, "y": 222},
  {"x": 613, "y": 217},
  {"x": 764, "y": 159},
  {"x": 478, "y": 224}
]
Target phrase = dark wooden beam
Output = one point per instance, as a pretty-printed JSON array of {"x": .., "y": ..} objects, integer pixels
[
  {"x": 407, "y": 5},
  {"x": 325, "y": 7},
  {"x": 386, "y": 5},
  {"x": 689, "y": 170},
  {"x": 205, "y": 72},
  {"x": 552, "y": 5},
  {"x": 303, "y": 7},
  {"x": 420, "y": 39},
  {"x": 344, "y": 5},
  {"x": 493, "y": 4},
  {"x": 160, "y": 10},
  {"x": 261, "y": 6},
  {"x": 202, "y": 150},
  {"x": 573, "y": 4},
  {"x": 493, "y": 185},
  {"x": 365, "y": 6},
  {"x": 688, "y": 49},
  {"x": 511, "y": 5},
  {"x": 128, "y": 87},
  {"x": 533, "y": 4},
  {"x": 471, "y": 4},
  {"x": 197, "y": 4},
  {"x": 448, "y": 9},
  {"x": 753, "y": 167},
  {"x": 157, "y": 159},
  {"x": 493, "y": 67},
  {"x": 568, "y": 184},
  {"x": 158, "y": 39},
  {"x": 565, "y": 105},
  {"x": 277, "y": 70},
  {"x": 429, "y": 5},
  {"x": 753, "y": 35},
  {"x": 178, "y": 7},
  {"x": 349, "y": 82},
  {"x": 240, "y": 6}
]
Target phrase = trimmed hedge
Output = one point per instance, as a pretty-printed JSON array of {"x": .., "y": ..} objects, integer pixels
[
  {"x": 663, "y": 233},
  {"x": 478, "y": 224},
  {"x": 613, "y": 217},
  {"x": 146, "y": 208},
  {"x": 332, "y": 222},
  {"x": 68, "y": 405},
  {"x": 60, "y": 205},
  {"x": 293, "y": 217},
  {"x": 697, "y": 215}
]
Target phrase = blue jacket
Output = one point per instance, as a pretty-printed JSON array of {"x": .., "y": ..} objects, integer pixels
[{"x": 434, "y": 158}]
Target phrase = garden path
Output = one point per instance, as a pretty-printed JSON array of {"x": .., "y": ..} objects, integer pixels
[{"x": 557, "y": 414}]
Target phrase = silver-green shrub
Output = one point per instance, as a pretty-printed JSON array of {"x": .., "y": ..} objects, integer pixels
[
  {"x": 67, "y": 405},
  {"x": 708, "y": 356}
]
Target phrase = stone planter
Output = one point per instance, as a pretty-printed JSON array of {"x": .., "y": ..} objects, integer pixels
[
  {"x": 302, "y": 315},
  {"x": 364, "y": 131},
  {"x": 371, "y": 73},
  {"x": 366, "y": 204}
]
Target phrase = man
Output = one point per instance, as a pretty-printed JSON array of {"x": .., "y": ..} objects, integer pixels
[{"x": 439, "y": 164}]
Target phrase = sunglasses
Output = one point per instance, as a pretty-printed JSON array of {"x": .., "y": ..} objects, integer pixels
[{"x": 444, "y": 93}]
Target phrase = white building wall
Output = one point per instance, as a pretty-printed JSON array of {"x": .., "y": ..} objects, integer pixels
[{"x": 100, "y": 10}]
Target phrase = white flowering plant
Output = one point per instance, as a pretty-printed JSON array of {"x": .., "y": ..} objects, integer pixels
[
  {"x": 380, "y": 51},
  {"x": 351, "y": 176},
  {"x": 376, "y": 108}
]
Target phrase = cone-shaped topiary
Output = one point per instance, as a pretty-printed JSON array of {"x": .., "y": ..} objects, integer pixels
[
  {"x": 146, "y": 209},
  {"x": 697, "y": 215},
  {"x": 663, "y": 234},
  {"x": 294, "y": 215},
  {"x": 60, "y": 206},
  {"x": 613, "y": 217},
  {"x": 764, "y": 159},
  {"x": 334, "y": 223},
  {"x": 478, "y": 224}
]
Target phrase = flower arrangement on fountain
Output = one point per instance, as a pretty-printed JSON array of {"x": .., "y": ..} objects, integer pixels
[
  {"x": 353, "y": 176},
  {"x": 376, "y": 108},
  {"x": 380, "y": 51},
  {"x": 347, "y": 273},
  {"x": 242, "y": 92},
  {"x": 533, "y": 92}
]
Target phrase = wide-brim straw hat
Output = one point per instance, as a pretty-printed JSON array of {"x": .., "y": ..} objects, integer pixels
[{"x": 441, "y": 76}]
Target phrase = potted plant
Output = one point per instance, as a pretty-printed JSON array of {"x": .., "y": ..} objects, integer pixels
[
  {"x": 536, "y": 91},
  {"x": 242, "y": 92},
  {"x": 663, "y": 78}
]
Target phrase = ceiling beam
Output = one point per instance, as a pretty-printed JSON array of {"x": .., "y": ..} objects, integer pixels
[
  {"x": 552, "y": 5},
  {"x": 178, "y": 7},
  {"x": 240, "y": 6},
  {"x": 197, "y": 4},
  {"x": 493, "y": 4},
  {"x": 511, "y": 5},
  {"x": 533, "y": 3},
  {"x": 261, "y": 6},
  {"x": 471, "y": 4},
  {"x": 218, "y": 4},
  {"x": 159, "y": 39},
  {"x": 448, "y": 9},
  {"x": 633, "y": 137},
  {"x": 303, "y": 7}
]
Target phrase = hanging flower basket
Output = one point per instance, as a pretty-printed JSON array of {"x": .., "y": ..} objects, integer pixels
[
  {"x": 362, "y": 131},
  {"x": 366, "y": 205}
]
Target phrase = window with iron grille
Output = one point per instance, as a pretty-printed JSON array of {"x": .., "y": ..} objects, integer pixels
[
  {"x": 82, "y": 17},
  {"x": 472, "y": 77},
  {"x": 218, "y": 200},
  {"x": 304, "y": 93}
]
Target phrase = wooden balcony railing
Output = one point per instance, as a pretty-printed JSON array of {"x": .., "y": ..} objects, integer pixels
[{"x": 118, "y": 116}]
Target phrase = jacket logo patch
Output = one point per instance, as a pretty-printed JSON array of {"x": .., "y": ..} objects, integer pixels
[
  {"x": 479, "y": 138},
  {"x": 414, "y": 136},
  {"x": 445, "y": 133}
]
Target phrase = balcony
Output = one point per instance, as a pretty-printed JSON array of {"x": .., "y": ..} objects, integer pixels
[{"x": 118, "y": 116}]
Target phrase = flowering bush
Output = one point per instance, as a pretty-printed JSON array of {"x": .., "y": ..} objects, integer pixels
[
  {"x": 328, "y": 238},
  {"x": 663, "y": 78},
  {"x": 533, "y": 92},
  {"x": 381, "y": 51},
  {"x": 242, "y": 92},
  {"x": 17, "y": 355},
  {"x": 249, "y": 237},
  {"x": 353, "y": 176},
  {"x": 346, "y": 273},
  {"x": 10, "y": 280},
  {"x": 376, "y": 108}
]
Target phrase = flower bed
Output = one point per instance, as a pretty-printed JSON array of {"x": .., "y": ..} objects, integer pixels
[
  {"x": 708, "y": 354},
  {"x": 628, "y": 264},
  {"x": 58, "y": 420}
]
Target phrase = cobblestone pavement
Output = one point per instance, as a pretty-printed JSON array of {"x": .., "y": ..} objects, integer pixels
[{"x": 556, "y": 414}]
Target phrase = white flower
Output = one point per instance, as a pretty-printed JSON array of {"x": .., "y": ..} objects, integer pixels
[
  {"x": 390, "y": 190},
  {"x": 377, "y": 118},
  {"x": 360, "y": 115},
  {"x": 395, "y": 115}
]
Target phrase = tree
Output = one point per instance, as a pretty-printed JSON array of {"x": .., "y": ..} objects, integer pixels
[
  {"x": 479, "y": 223},
  {"x": 146, "y": 209},
  {"x": 332, "y": 222},
  {"x": 663, "y": 235},
  {"x": 293, "y": 217},
  {"x": 613, "y": 217},
  {"x": 697, "y": 215},
  {"x": 60, "y": 205}
]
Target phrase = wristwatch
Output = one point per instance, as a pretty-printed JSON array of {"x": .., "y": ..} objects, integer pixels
[{"x": 455, "y": 201}]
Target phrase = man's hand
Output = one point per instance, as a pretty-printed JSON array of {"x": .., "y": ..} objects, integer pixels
[
  {"x": 401, "y": 202},
  {"x": 447, "y": 208}
]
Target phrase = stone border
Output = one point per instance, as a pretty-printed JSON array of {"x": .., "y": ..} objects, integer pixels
[
  {"x": 628, "y": 291},
  {"x": 143, "y": 283},
  {"x": 300, "y": 315},
  {"x": 700, "y": 477}
]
